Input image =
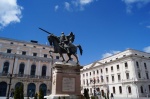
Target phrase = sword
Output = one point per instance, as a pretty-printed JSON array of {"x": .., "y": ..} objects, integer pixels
[{"x": 45, "y": 31}]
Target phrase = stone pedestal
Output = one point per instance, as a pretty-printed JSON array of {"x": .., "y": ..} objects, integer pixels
[{"x": 65, "y": 81}]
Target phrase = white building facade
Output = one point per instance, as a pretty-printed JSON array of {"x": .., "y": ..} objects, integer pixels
[{"x": 126, "y": 74}]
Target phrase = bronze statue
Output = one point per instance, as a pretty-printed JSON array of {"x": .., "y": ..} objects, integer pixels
[{"x": 64, "y": 45}]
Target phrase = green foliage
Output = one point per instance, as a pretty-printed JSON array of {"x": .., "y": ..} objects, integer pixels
[
  {"x": 41, "y": 94},
  {"x": 36, "y": 96},
  {"x": 59, "y": 97},
  {"x": 63, "y": 97},
  {"x": 17, "y": 93},
  {"x": 21, "y": 92},
  {"x": 86, "y": 93}
]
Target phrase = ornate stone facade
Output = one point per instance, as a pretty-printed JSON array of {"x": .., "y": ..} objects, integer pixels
[{"x": 29, "y": 63}]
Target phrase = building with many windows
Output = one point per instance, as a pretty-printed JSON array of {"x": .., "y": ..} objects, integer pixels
[
  {"x": 29, "y": 63},
  {"x": 125, "y": 74}
]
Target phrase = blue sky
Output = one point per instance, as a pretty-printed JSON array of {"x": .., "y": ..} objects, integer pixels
[{"x": 101, "y": 27}]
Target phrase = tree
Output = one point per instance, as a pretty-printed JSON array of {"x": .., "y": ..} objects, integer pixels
[
  {"x": 86, "y": 93},
  {"x": 41, "y": 94},
  {"x": 21, "y": 92},
  {"x": 17, "y": 93},
  {"x": 36, "y": 96}
]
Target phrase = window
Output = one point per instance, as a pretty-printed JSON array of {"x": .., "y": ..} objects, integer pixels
[
  {"x": 86, "y": 74},
  {"x": 112, "y": 78},
  {"x": 3, "y": 89},
  {"x": 141, "y": 89},
  {"x": 114, "y": 90},
  {"x": 57, "y": 57},
  {"x": 139, "y": 74},
  {"x": 45, "y": 55},
  {"x": 126, "y": 65},
  {"x": 117, "y": 67},
  {"x": 44, "y": 71},
  {"x": 147, "y": 76},
  {"x": 120, "y": 89},
  {"x": 106, "y": 70},
  {"x": 24, "y": 45},
  {"x": 93, "y": 72},
  {"x": 137, "y": 64},
  {"x": 129, "y": 90},
  {"x": 101, "y": 78},
  {"x": 43, "y": 47},
  {"x": 21, "y": 69},
  {"x": 11, "y": 43},
  {"x": 145, "y": 65},
  {"x": 107, "y": 79},
  {"x": 97, "y": 72},
  {"x": 112, "y": 68},
  {"x": 119, "y": 77},
  {"x": 8, "y": 50},
  {"x": 127, "y": 75},
  {"x": 5, "y": 67},
  {"x": 23, "y": 52},
  {"x": 101, "y": 71},
  {"x": 34, "y": 54},
  {"x": 90, "y": 73},
  {"x": 33, "y": 69}
]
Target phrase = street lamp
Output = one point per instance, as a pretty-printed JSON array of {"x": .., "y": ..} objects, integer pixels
[
  {"x": 10, "y": 77},
  {"x": 51, "y": 67},
  {"x": 93, "y": 81}
]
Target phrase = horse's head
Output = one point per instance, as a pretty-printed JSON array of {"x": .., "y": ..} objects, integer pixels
[
  {"x": 53, "y": 39},
  {"x": 50, "y": 39}
]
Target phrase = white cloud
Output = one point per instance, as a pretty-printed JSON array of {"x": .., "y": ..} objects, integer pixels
[
  {"x": 148, "y": 26},
  {"x": 138, "y": 3},
  {"x": 56, "y": 7},
  {"x": 77, "y": 4},
  {"x": 109, "y": 54},
  {"x": 67, "y": 6},
  {"x": 10, "y": 12},
  {"x": 85, "y": 2},
  {"x": 147, "y": 49}
]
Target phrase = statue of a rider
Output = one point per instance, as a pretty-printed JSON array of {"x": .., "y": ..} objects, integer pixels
[{"x": 66, "y": 41}]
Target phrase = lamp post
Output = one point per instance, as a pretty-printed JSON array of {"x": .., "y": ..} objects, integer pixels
[
  {"x": 51, "y": 68},
  {"x": 10, "y": 77},
  {"x": 93, "y": 81}
]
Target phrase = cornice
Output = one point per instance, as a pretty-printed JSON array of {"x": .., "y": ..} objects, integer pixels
[{"x": 24, "y": 57}]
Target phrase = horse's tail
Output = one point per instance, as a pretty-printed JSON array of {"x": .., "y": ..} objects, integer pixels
[{"x": 80, "y": 48}]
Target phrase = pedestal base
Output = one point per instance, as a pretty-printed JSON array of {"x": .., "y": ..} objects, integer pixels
[{"x": 62, "y": 97}]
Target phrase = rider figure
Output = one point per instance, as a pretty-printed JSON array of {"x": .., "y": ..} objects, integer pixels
[{"x": 63, "y": 39}]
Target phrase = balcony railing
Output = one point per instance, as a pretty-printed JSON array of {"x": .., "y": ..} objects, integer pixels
[{"x": 24, "y": 76}]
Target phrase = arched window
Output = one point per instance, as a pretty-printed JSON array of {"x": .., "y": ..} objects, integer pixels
[
  {"x": 18, "y": 84},
  {"x": 44, "y": 88},
  {"x": 33, "y": 69},
  {"x": 142, "y": 89},
  {"x": 6, "y": 67},
  {"x": 129, "y": 90},
  {"x": 44, "y": 71},
  {"x": 31, "y": 90},
  {"x": 21, "y": 69},
  {"x": 3, "y": 88}
]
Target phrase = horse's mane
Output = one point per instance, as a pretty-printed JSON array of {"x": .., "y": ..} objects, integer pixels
[{"x": 56, "y": 38}]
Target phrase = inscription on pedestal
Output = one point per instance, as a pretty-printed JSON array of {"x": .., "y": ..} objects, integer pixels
[{"x": 68, "y": 84}]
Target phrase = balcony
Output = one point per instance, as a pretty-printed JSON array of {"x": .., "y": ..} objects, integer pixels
[{"x": 25, "y": 76}]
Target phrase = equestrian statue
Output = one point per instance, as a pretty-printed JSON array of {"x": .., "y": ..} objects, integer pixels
[{"x": 64, "y": 45}]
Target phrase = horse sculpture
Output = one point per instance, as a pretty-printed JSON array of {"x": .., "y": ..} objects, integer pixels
[{"x": 54, "y": 41}]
